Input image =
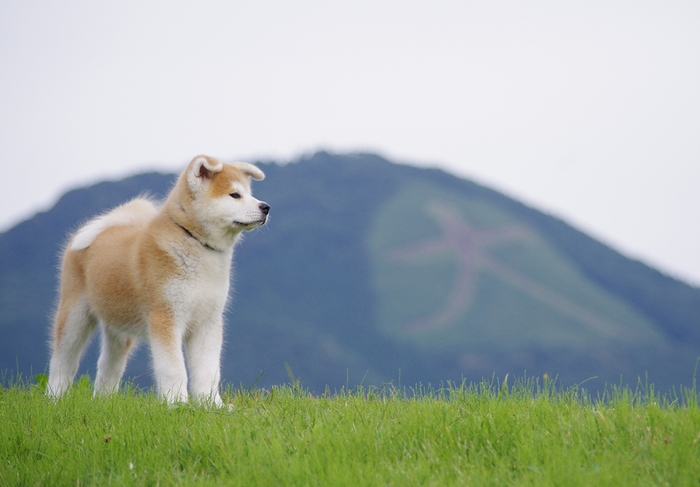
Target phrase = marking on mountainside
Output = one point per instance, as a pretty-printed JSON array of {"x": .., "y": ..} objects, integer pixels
[{"x": 470, "y": 245}]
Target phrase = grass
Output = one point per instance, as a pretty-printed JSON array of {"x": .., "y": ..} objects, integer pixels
[{"x": 527, "y": 433}]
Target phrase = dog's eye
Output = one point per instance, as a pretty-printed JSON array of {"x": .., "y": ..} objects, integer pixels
[{"x": 235, "y": 196}]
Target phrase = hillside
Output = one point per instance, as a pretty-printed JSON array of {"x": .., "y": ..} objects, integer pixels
[{"x": 372, "y": 271}]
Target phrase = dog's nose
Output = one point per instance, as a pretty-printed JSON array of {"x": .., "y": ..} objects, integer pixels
[{"x": 264, "y": 207}]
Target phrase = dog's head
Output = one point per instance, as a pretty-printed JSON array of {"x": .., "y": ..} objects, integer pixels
[{"x": 220, "y": 197}]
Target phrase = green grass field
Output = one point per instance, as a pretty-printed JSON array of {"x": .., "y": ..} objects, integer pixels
[{"x": 495, "y": 433}]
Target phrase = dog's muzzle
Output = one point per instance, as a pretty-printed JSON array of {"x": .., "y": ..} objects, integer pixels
[{"x": 264, "y": 209}]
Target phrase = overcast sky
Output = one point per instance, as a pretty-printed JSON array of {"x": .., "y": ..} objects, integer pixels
[{"x": 589, "y": 110}]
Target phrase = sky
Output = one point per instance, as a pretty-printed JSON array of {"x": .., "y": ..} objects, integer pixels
[{"x": 587, "y": 110}]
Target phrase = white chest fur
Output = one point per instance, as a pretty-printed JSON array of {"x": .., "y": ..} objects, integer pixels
[{"x": 199, "y": 291}]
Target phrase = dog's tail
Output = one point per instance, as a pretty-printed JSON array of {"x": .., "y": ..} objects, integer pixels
[{"x": 138, "y": 211}]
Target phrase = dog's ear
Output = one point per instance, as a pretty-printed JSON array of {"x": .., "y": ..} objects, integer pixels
[
  {"x": 201, "y": 169},
  {"x": 250, "y": 170},
  {"x": 204, "y": 167}
]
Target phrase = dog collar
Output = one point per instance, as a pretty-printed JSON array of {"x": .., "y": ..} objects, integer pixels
[{"x": 198, "y": 240}]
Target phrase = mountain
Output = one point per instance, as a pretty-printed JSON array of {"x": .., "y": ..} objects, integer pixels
[{"x": 370, "y": 272}]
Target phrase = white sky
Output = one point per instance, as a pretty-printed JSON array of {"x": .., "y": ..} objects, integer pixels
[{"x": 589, "y": 110}]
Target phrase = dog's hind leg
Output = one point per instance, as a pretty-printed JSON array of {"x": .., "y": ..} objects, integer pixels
[
  {"x": 114, "y": 352},
  {"x": 73, "y": 327}
]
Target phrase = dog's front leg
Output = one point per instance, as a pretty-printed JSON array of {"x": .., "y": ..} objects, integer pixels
[
  {"x": 168, "y": 360},
  {"x": 203, "y": 345}
]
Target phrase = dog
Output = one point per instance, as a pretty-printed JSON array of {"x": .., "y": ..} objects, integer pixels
[{"x": 162, "y": 273}]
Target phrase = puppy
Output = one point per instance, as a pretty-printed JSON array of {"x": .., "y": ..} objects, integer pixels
[{"x": 162, "y": 274}]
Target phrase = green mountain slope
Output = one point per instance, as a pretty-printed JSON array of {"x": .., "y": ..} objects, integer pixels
[
  {"x": 369, "y": 270},
  {"x": 458, "y": 276}
]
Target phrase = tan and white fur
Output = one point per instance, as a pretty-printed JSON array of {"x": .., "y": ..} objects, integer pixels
[{"x": 161, "y": 274}]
